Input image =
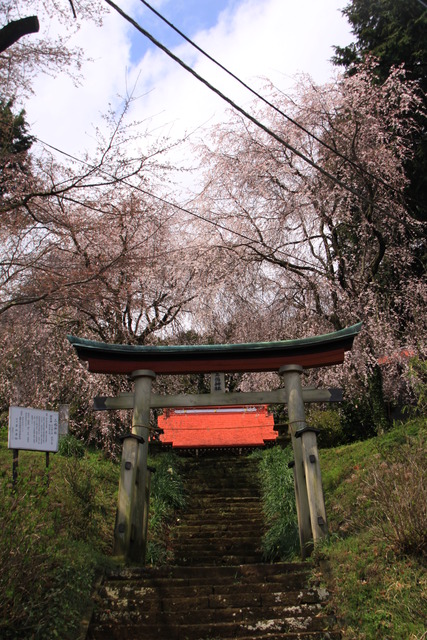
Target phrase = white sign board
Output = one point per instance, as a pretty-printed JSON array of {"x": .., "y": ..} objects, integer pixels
[{"x": 33, "y": 429}]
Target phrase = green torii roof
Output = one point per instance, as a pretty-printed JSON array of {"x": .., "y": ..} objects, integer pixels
[{"x": 317, "y": 351}]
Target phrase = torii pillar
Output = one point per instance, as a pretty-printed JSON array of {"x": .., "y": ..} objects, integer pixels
[
  {"x": 309, "y": 497},
  {"x": 132, "y": 512}
]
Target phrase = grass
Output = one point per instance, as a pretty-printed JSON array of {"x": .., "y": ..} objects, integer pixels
[
  {"x": 50, "y": 551},
  {"x": 167, "y": 496},
  {"x": 376, "y": 500},
  {"x": 56, "y": 535},
  {"x": 280, "y": 541}
]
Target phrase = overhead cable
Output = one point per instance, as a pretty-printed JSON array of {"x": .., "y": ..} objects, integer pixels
[
  {"x": 268, "y": 103},
  {"x": 235, "y": 106}
]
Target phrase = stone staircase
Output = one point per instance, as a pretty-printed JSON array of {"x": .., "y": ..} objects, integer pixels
[
  {"x": 223, "y": 521},
  {"x": 218, "y": 586}
]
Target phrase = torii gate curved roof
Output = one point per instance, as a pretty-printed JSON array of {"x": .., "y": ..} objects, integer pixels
[{"x": 317, "y": 351}]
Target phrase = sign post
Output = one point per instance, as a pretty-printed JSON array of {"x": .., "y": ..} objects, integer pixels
[{"x": 33, "y": 430}]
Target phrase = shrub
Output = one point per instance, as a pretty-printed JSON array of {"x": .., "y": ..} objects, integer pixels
[
  {"x": 357, "y": 422},
  {"x": 281, "y": 539},
  {"x": 69, "y": 446},
  {"x": 365, "y": 417},
  {"x": 417, "y": 374},
  {"x": 167, "y": 496},
  {"x": 85, "y": 507},
  {"x": 328, "y": 422},
  {"x": 166, "y": 485},
  {"x": 397, "y": 491}
]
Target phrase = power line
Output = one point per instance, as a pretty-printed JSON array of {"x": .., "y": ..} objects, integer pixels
[
  {"x": 268, "y": 103},
  {"x": 237, "y": 107}
]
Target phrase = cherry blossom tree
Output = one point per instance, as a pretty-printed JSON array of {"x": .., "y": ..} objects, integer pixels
[
  {"x": 331, "y": 238},
  {"x": 102, "y": 257},
  {"x": 119, "y": 275},
  {"x": 85, "y": 246}
]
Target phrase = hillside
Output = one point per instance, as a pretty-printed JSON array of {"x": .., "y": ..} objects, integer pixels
[
  {"x": 376, "y": 500},
  {"x": 59, "y": 527}
]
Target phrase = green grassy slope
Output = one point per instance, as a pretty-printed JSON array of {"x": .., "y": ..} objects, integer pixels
[{"x": 376, "y": 500}]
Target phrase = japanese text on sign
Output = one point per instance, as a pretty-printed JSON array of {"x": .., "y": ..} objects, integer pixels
[{"x": 33, "y": 429}]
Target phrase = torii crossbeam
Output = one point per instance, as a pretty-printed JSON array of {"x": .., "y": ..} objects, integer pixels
[{"x": 143, "y": 363}]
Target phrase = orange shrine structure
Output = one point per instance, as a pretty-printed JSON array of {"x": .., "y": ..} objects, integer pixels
[{"x": 217, "y": 427}]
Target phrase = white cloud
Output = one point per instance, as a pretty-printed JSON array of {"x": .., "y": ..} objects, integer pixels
[
  {"x": 254, "y": 39},
  {"x": 64, "y": 114}
]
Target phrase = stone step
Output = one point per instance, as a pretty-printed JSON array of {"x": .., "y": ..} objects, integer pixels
[
  {"x": 245, "y": 508},
  {"x": 108, "y": 632},
  {"x": 238, "y": 502},
  {"x": 239, "y": 477},
  {"x": 212, "y": 539},
  {"x": 244, "y": 573},
  {"x": 306, "y": 616},
  {"x": 225, "y": 541},
  {"x": 238, "y": 498},
  {"x": 208, "y": 597},
  {"x": 284, "y": 627},
  {"x": 207, "y": 493},
  {"x": 211, "y": 536},
  {"x": 214, "y": 579},
  {"x": 213, "y": 518},
  {"x": 293, "y": 592},
  {"x": 222, "y": 484},
  {"x": 218, "y": 497},
  {"x": 217, "y": 557},
  {"x": 213, "y": 465},
  {"x": 184, "y": 554},
  {"x": 218, "y": 523},
  {"x": 238, "y": 509},
  {"x": 222, "y": 518},
  {"x": 244, "y": 504}
]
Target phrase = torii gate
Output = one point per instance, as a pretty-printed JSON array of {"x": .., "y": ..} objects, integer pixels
[{"x": 143, "y": 363}]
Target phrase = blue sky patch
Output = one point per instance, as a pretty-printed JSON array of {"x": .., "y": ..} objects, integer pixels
[{"x": 189, "y": 16}]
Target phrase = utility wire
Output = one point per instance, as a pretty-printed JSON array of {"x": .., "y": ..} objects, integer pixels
[
  {"x": 267, "y": 102},
  {"x": 237, "y": 107}
]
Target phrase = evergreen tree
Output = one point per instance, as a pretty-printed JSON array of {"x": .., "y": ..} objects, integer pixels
[
  {"x": 15, "y": 142},
  {"x": 14, "y": 137},
  {"x": 394, "y": 31}
]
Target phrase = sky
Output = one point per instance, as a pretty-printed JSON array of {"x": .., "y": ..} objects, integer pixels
[{"x": 255, "y": 39}]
